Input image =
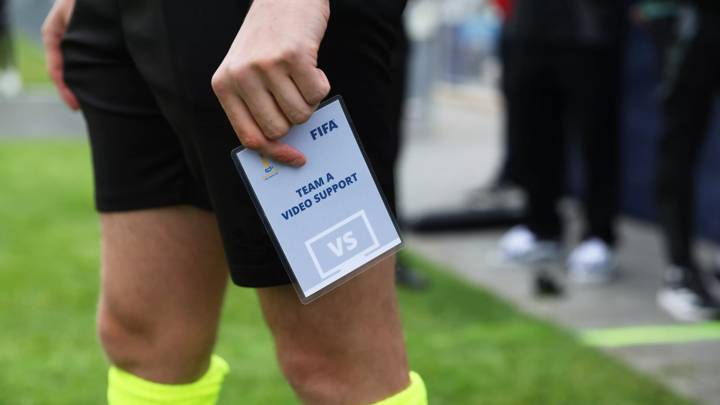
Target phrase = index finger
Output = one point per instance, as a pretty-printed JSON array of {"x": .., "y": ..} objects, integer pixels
[{"x": 251, "y": 136}]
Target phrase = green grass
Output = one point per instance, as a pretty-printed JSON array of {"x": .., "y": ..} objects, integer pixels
[
  {"x": 471, "y": 347},
  {"x": 31, "y": 62}
]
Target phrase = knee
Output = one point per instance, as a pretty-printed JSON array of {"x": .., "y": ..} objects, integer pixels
[
  {"x": 153, "y": 350},
  {"x": 313, "y": 375},
  {"x": 121, "y": 344}
]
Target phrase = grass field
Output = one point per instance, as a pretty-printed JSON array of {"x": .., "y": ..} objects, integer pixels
[
  {"x": 31, "y": 62},
  {"x": 471, "y": 347}
]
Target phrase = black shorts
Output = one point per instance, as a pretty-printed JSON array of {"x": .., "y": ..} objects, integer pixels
[{"x": 141, "y": 70}]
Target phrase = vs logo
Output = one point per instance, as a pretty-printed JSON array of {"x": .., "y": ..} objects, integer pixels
[
  {"x": 342, "y": 244},
  {"x": 269, "y": 168}
]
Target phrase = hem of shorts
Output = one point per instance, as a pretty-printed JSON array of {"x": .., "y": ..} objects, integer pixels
[
  {"x": 242, "y": 275},
  {"x": 239, "y": 276},
  {"x": 132, "y": 203}
]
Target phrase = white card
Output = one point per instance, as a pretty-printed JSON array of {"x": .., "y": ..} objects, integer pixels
[{"x": 328, "y": 218}]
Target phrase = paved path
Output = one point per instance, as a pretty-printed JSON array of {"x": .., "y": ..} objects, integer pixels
[{"x": 38, "y": 113}]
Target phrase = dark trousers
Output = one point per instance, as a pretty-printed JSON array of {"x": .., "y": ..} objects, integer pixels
[
  {"x": 398, "y": 86},
  {"x": 4, "y": 19},
  {"x": 690, "y": 81},
  {"x": 556, "y": 90},
  {"x": 6, "y": 51},
  {"x": 508, "y": 172}
]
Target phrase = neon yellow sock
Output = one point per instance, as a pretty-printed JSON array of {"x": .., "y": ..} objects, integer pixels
[
  {"x": 127, "y": 389},
  {"x": 414, "y": 394}
]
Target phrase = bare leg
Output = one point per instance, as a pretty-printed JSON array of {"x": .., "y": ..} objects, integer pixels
[
  {"x": 163, "y": 279},
  {"x": 345, "y": 348}
]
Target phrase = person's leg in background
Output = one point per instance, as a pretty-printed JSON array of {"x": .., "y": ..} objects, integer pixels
[
  {"x": 10, "y": 81},
  {"x": 405, "y": 275},
  {"x": 509, "y": 169},
  {"x": 506, "y": 176},
  {"x": 690, "y": 83},
  {"x": 398, "y": 88},
  {"x": 6, "y": 51},
  {"x": 504, "y": 196},
  {"x": 539, "y": 126},
  {"x": 593, "y": 79}
]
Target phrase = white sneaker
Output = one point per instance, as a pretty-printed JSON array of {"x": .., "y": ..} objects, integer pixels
[
  {"x": 592, "y": 262},
  {"x": 10, "y": 83},
  {"x": 521, "y": 246},
  {"x": 685, "y": 298}
]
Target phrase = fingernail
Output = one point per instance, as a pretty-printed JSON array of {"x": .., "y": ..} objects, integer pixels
[{"x": 298, "y": 162}]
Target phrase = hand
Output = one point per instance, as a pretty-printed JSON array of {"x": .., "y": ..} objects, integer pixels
[
  {"x": 53, "y": 30},
  {"x": 269, "y": 80}
]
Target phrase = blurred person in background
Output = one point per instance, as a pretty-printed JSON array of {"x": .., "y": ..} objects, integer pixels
[
  {"x": 507, "y": 177},
  {"x": 405, "y": 275},
  {"x": 504, "y": 194},
  {"x": 10, "y": 81},
  {"x": 687, "y": 34},
  {"x": 564, "y": 77}
]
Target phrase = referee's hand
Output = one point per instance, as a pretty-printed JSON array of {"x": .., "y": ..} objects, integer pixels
[
  {"x": 53, "y": 30},
  {"x": 269, "y": 80}
]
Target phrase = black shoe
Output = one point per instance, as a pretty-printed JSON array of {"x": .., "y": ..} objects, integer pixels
[
  {"x": 546, "y": 285},
  {"x": 409, "y": 278},
  {"x": 686, "y": 298}
]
